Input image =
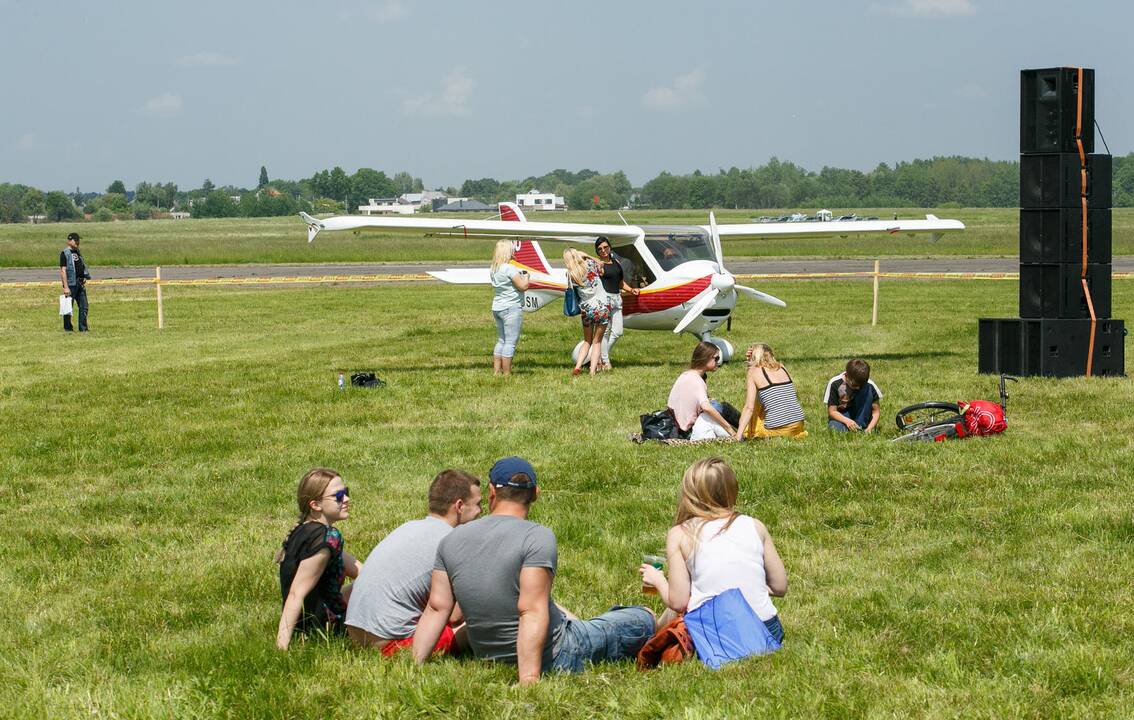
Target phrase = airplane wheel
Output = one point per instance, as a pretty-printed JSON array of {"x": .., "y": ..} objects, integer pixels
[
  {"x": 724, "y": 346},
  {"x": 575, "y": 353}
]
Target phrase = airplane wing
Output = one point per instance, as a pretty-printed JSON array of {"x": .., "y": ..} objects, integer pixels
[
  {"x": 841, "y": 228},
  {"x": 457, "y": 227}
]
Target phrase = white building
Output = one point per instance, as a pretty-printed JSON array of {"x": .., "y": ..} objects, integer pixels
[
  {"x": 405, "y": 204},
  {"x": 535, "y": 200}
]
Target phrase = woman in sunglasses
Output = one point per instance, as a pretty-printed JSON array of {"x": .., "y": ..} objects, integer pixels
[
  {"x": 312, "y": 560},
  {"x": 696, "y": 415}
]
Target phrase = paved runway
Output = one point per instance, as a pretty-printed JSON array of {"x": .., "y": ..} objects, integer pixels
[{"x": 736, "y": 266}]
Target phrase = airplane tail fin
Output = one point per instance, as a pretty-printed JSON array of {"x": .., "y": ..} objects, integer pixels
[
  {"x": 313, "y": 226},
  {"x": 528, "y": 252},
  {"x": 511, "y": 211}
]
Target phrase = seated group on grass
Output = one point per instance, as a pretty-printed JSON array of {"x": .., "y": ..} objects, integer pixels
[
  {"x": 451, "y": 583},
  {"x": 771, "y": 403}
]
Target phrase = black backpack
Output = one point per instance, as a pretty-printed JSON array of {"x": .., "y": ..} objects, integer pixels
[{"x": 366, "y": 380}]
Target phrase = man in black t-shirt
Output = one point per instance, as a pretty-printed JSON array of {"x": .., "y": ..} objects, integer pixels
[{"x": 73, "y": 272}]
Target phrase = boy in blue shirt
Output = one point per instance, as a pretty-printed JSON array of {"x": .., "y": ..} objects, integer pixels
[{"x": 853, "y": 399}]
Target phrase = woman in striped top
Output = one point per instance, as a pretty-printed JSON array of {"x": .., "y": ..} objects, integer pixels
[{"x": 771, "y": 407}]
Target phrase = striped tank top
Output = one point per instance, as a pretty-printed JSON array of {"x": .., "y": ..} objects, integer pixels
[{"x": 781, "y": 406}]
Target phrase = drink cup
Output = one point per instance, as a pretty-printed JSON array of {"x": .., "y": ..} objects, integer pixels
[{"x": 657, "y": 561}]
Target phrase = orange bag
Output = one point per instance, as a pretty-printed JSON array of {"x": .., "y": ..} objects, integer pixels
[{"x": 671, "y": 644}]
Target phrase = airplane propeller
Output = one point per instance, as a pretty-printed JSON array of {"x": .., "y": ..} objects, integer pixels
[{"x": 722, "y": 282}]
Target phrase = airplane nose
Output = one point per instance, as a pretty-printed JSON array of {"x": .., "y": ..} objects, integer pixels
[{"x": 723, "y": 282}]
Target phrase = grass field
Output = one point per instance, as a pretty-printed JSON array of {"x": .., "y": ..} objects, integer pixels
[
  {"x": 148, "y": 478},
  {"x": 284, "y": 240}
]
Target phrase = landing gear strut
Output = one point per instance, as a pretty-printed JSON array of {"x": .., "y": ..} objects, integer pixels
[{"x": 724, "y": 346}]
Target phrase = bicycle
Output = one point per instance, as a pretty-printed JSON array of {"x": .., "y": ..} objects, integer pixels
[{"x": 937, "y": 421}]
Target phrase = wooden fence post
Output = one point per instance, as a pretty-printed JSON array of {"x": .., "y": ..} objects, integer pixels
[
  {"x": 874, "y": 311},
  {"x": 160, "y": 307}
]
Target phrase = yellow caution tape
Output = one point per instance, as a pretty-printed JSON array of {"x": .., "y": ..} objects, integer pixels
[{"x": 417, "y": 277}]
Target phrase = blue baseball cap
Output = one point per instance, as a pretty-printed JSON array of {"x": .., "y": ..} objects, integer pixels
[{"x": 502, "y": 473}]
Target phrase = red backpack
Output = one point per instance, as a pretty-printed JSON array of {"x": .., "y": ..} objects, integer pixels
[{"x": 981, "y": 417}]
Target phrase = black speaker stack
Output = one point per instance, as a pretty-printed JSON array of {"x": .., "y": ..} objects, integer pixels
[{"x": 1065, "y": 328}]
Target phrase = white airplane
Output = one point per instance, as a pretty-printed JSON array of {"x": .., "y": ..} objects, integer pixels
[{"x": 680, "y": 269}]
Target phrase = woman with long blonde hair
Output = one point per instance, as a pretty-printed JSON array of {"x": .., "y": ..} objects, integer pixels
[
  {"x": 509, "y": 283},
  {"x": 594, "y": 305},
  {"x": 712, "y": 548},
  {"x": 771, "y": 405}
]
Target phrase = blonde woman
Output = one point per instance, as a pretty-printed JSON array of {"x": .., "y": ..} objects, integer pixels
[
  {"x": 586, "y": 274},
  {"x": 312, "y": 561},
  {"x": 712, "y": 548},
  {"x": 771, "y": 406},
  {"x": 508, "y": 285}
]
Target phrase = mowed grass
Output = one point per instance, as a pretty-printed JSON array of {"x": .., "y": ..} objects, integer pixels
[
  {"x": 149, "y": 476},
  {"x": 989, "y": 232}
]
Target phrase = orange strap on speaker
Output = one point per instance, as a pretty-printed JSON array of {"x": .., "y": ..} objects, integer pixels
[{"x": 1083, "y": 206}]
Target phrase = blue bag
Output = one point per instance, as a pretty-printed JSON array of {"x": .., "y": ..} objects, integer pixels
[
  {"x": 724, "y": 629},
  {"x": 571, "y": 300}
]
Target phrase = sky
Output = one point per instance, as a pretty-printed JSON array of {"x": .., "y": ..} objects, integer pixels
[{"x": 159, "y": 92}]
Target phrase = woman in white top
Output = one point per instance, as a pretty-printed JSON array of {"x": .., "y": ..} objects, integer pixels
[
  {"x": 689, "y": 400},
  {"x": 594, "y": 305},
  {"x": 508, "y": 285},
  {"x": 712, "y": 548}
]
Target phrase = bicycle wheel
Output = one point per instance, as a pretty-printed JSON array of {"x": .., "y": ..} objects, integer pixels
[
  {"x": 930, "y": 433},
  {"x": 922, "y": 415}
]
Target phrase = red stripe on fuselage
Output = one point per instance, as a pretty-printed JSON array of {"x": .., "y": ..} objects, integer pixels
[
  {"x": 526, "y": 255},
  {"x": 657, "y": 300}
]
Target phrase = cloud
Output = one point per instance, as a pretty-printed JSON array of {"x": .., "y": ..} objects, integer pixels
[
  {"x": 379, "y": 12},
  {"x": 27, "y": 142},
  {"x": 972, "y": 92},
  {"x": 207, "y": 59},
  {"x": 926, "y": 8},
  {"x": 685, "y": 91},
  {"x": 451, "y": 100},
  {"x": 165, "y": 105}
]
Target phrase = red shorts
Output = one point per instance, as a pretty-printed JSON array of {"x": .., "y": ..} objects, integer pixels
[{"x": 444, "y": 644}]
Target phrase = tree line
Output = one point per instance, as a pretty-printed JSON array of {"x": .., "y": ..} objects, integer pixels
[{"x": 936, "y": 182}]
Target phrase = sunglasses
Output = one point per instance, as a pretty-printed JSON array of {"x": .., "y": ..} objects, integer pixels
[
  {"x": 340, "y": 495},
  {"x": 718, "y": 359}
]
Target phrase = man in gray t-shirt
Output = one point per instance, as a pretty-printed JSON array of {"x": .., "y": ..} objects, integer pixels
[
  {"x": 500, "y": 570},
  {"x": 391, "y": 591}
]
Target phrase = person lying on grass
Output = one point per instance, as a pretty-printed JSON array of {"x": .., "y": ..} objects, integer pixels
[
  {"x": 712, "y": 548},
  {"x": 499, "y": 569},
  {"x": 312, "y": 560},
  {"x": 391, "y": 591}
]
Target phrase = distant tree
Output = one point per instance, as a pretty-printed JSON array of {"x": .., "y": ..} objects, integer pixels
[
  {"x": 403, "y": 182},
  {"x": 115, "y": 202},
  {"x": 367, "y": 183},
  {"x": 11, "y": 203},
  {"x": 103, "y": 215},
  {"x": 263, "y": 178},
  {"x": 59, "y": 206},
  {"x": 33, "y": 202},
  {"x": 117, "y": 187},
  {"x": 215, "y": 204},
  {"x": 208, "y": 186},
  {"x": 485, "y": 189},
  {"x": 418, "y": 185},
  {"x": 142, "y": 211}
]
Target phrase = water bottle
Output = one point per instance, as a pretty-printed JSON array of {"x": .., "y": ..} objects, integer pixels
[{"x": 342, "y": 381}]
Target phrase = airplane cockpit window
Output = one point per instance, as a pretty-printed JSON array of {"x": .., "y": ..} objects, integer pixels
[
  {"x": 642, "y": 276},
  {"x": 672, "y": 249}
]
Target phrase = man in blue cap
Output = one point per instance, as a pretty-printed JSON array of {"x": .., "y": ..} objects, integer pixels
[{"x": 500, "y": 570}]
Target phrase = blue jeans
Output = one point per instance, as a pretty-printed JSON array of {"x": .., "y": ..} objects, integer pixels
[
  {"x": 836, "y": 426},
  {"x": 775, "y": 628},
  {"x": 617, "y": 634},
  {"x": 508, "y": 322},
  {"x": 78, "y": 305}
]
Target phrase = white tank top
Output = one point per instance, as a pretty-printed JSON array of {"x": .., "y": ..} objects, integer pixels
[{"x": 731, "y": 559}]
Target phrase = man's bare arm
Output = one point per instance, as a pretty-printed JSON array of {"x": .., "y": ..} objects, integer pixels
[{"x": 533, "y": 606}]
